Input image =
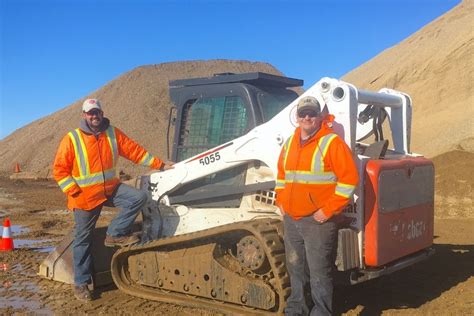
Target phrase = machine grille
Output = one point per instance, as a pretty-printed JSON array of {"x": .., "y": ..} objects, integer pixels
[{"x": 266, "y": 197}]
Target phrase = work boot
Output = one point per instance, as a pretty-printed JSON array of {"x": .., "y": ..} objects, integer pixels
[
  {"x": 82, "y": 293},
  {"x": 120, "y": 241}
]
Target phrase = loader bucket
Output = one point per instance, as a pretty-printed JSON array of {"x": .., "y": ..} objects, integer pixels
[{"x": 58, "y": 266}]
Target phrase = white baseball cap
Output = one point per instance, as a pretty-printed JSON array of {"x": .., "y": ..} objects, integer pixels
[{"x": 90, "y": 104}]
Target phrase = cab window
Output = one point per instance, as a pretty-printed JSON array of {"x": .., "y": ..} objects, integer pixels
[
  {"x": 273, "y": 101},
  {"x": 209, "y": 122}
]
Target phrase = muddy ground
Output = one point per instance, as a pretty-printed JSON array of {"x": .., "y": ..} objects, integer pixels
[{"x": 443, "y": 285}]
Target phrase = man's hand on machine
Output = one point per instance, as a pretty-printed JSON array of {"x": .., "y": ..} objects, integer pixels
[{"x": 167, "y": 166}]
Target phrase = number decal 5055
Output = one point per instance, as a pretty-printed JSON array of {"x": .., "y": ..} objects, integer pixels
[{"x": 210, "y": 159}]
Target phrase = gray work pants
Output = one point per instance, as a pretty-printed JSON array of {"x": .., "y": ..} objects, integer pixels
[{"x": 310, "y": 252}]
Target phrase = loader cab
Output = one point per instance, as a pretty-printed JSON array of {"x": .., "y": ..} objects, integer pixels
[{"x": 211, "y": 111}]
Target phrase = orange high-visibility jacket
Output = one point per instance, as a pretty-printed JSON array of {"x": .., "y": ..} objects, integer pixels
[
  {"x": 84, "y": 166},
  {"x": 320, "y": 174}
]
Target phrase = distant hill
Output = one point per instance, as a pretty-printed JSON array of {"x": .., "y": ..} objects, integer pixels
[
  {"x": 435, "y": 67},
  {"x": 137, "y": 102}
]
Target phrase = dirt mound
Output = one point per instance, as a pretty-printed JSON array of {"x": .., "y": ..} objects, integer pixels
[
  {"x": 137, "y": 102},
  {"x": 435, "y": 67},
  {"x": 454, "y": 184}
]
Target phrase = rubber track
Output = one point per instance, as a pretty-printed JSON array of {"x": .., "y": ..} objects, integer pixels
[{"x": 267, "y": 231}]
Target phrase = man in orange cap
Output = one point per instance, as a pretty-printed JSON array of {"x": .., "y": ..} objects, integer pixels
[
  {"x": 85, "y": 170},
  {"x": 316, "y": 179}
]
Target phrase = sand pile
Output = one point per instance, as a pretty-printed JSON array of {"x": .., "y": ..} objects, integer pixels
[
  {"x": 137, "y": 102},
  {"x": 435, "y": 67},
  {"x": 454, "y": 184}
]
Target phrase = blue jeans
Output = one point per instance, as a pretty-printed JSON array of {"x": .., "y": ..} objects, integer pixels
[
  {"x": 130, "y": 201},
  {"x": 310, "y": 251}
]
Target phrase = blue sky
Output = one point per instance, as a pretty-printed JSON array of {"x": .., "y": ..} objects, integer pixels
[{"x": 55, "y": 52}]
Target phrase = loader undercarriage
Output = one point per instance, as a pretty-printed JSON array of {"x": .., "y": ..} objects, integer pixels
[{"x": 238, "y": 267}]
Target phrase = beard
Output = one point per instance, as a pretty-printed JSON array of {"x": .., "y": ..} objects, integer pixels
[{"x": 94, "y": 123}]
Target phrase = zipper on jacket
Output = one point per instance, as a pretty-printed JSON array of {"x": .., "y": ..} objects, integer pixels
[{"x": 100, "y": 160}]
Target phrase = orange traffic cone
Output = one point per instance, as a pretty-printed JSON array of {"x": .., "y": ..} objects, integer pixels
[
  {"x": 17, "y": 168},
  {"x": 6, "y": 244}
]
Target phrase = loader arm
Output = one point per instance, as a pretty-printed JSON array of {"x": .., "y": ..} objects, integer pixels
[{"x": 263, "y": 144}]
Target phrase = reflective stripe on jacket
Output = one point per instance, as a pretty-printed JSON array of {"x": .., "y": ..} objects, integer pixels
[
  {"x": 319, "y": 174},
  {"x": 85, "y": 165}
]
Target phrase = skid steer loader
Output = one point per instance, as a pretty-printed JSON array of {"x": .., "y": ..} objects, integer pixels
[{"x": 211, "y": 233}]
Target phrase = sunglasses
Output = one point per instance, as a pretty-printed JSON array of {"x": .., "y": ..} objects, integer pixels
[
  {"x": 94, "y": 112},
  {"x": 310, "y": 113}
]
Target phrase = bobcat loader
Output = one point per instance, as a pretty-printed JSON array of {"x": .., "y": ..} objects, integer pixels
[{"x": 211, "y": 233}]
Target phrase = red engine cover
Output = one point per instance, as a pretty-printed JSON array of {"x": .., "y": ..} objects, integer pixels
[{"x": 399, "y": 208}]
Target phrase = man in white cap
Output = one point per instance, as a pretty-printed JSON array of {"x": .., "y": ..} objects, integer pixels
[
  {"x": 85, "y": 169},
  {"x": 316, "y": 178}
]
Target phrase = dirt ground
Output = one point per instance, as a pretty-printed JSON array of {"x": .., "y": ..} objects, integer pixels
[{"x": 443, "y": 285}]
